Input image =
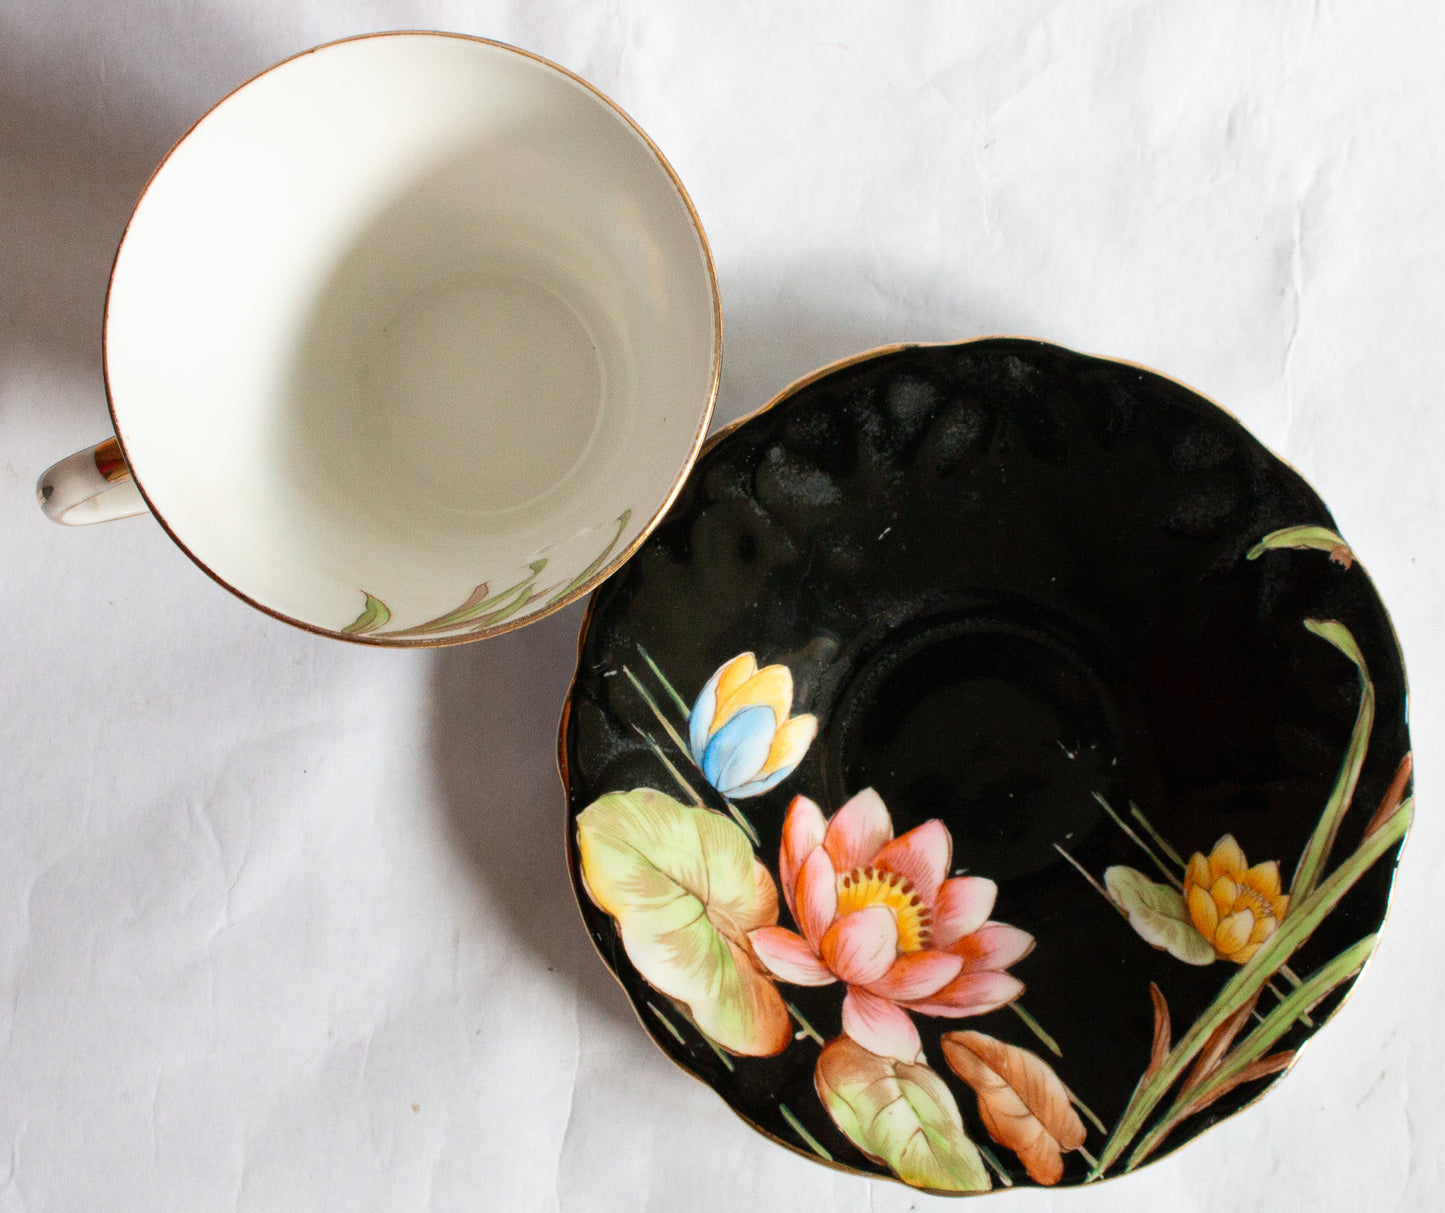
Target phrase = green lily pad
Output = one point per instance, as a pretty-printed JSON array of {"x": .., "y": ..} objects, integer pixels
[
  {"x": 1159, "y": 914},
  {"x": 900, "y": 1115},
  {"x": 685, "y": 889}
]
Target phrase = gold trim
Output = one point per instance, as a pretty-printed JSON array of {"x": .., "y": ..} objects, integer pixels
[
  {"x": 110, "y": 463},
  {"x": 603, "y": 573},
  {"x": 562, "y": 771}
]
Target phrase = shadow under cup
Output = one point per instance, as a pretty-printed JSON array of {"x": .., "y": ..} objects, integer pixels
[{"x": 407, "y": 316}]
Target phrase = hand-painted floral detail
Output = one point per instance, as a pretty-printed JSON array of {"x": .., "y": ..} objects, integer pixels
[
  {"x": 900, "y": 1115},
  {"x": 1320, "y": 538},
  {"x": 1242, "y": 914},
  {"x": 685, "y": 889},
  {"x": 740, "y": 732},
  {"x": 1163, "y": 1033},
  {"x": 1311, "y": 866},
  {"x": 879, "y": 914},
  {"x": 1217, "y": 1072},
  {"x": 1234, "y": 906},
  {"x": 1221, "y": 1066},
  {"x": 1159, "y": 914},
  {"x": 878, "y": 920},
  {"x": 1022, "y": 1102},
  {"x": 597, "y": 562},
  {"x": 374, "y": 615},
  {"x": 1394, "y": 797},
  {"x": 483, "y": 608}
]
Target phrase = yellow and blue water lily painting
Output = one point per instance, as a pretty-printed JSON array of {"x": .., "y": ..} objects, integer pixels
[{"x": 740, "y": 730}]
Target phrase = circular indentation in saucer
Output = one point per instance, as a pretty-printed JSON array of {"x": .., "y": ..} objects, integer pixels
[
  {"x": 998, "y": 720},
  {"x": 1094, "y": 659}
]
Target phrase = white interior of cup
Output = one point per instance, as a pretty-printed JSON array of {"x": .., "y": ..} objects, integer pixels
[{"x": 405, "y": 316}]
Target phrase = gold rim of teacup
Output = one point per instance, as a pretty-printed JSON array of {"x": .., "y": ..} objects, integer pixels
[{"x": 590, "y": 583}]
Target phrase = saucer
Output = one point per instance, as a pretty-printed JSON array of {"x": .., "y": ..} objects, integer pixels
[{"x": 992, "y": 770}]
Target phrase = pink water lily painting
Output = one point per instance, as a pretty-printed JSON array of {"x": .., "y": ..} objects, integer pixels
[{"x": 880, "y": 915}]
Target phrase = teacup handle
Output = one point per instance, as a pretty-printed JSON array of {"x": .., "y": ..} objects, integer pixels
[{"x": 93, "y": 485}]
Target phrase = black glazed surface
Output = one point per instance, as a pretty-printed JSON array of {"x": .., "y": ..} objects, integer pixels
[{"x": 1006, "y": 577}]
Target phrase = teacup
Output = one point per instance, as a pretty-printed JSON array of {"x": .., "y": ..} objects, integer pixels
[{"x": 411, "y": 339}]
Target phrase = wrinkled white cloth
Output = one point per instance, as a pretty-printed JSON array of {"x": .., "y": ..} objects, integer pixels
[{"x": 285, "y": 924}]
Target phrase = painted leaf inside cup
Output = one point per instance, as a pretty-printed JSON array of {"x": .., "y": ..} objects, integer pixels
[
  {"x": 685, "y": 889},
  {"x": 375, "y": 615},
  {"x": 1021, "y": 1101},
  {"x": 1159, "y": 914},
  {"x": 900, "y": 1115}
]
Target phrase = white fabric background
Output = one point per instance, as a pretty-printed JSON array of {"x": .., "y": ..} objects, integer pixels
[{"x": 284, "y": 923}]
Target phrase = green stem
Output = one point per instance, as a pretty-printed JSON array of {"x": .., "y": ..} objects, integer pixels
[
  {"x": 1311, "y": 992},
  {"x": 742, "y": 821},
  {"x": 479, "y": 606},
  {"x": 1037, "y": 1029},
  {"x": 676, "y": 774},
  {"x": 998, "y": 1168},
  {"x": 521, "y": 598},
  {"x": 797, "y": 1126},
  {"x": 622, "y": 521},
  {"x": 666, "y": 685},
  {"x": 1293, "y": 978},
  {"x": 722, "y": 1057},
  {"x": 1084, "y": 872},
  {"x": 667, "y": 1023},
  {"x": 1259, "y": 1042},
  {"x": 1158, "y": 838},
  {"x": 657, "y": 711},
  {"x": 1281, "y": 995},
  {"x": 808, "y": 1029},
  {"x": 1312, "y": 862},
  {"x": 1298, "y": 925},
  {"x": 1084, "y": 1108},
  {"x": 1140, "y": 843}
]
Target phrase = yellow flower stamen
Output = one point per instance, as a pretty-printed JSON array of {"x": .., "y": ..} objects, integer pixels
[
  {"x": 1254, "y": 900},
  {"x": 865, "y": 887}
]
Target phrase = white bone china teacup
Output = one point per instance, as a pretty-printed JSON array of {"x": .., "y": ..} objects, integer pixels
[{"x": 411, "y": 339}]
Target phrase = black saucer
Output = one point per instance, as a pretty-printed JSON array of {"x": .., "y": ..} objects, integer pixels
[{"x": 1023, "y": 592}]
